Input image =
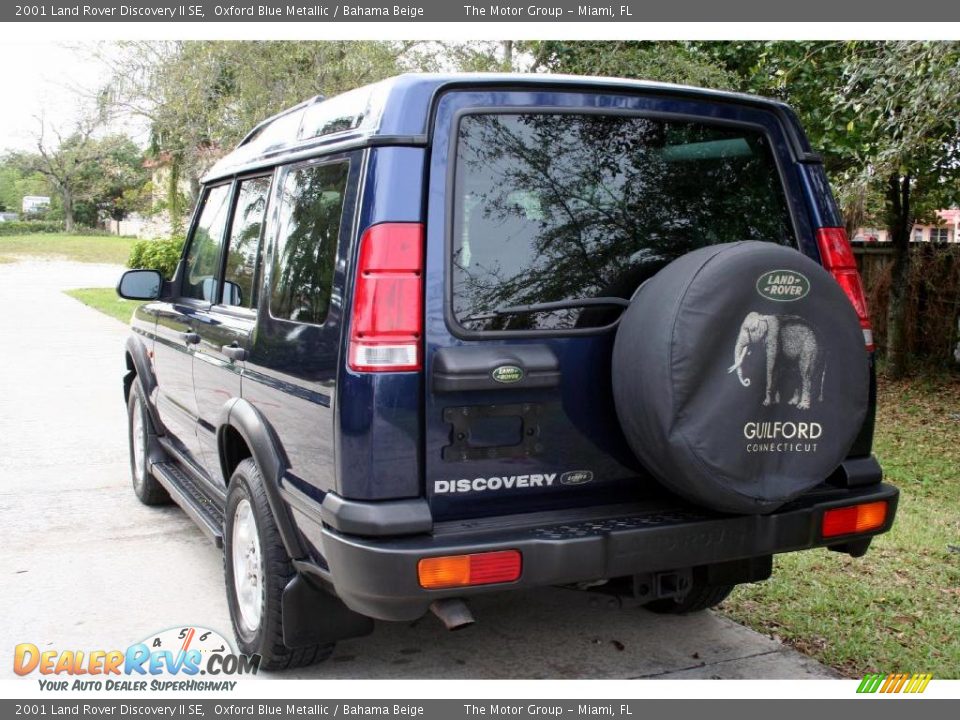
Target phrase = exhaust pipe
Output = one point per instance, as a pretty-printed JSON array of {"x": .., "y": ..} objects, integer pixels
[{"x": 453, "y": 613}]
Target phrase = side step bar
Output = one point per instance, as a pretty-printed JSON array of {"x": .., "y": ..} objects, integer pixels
[{"x": 204, "y": 511}]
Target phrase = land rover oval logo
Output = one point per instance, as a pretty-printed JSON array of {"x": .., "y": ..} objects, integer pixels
[
  {"x": 576, "y": 477},
  {"x": 507, "y": 374},
  {"x": 783, "y": 285}
]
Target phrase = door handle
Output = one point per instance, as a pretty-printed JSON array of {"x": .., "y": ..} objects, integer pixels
[
  {"x": 234, "y": 352},
  {"x": 190, "y": 337},
  {"x": 475, "y": 367}
]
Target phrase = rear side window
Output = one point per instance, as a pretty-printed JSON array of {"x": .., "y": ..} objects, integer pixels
[
  {"x": 554, "y": 207},
  {"x": 311, "y": 205},
  {"x": 245, "y": 229},
  {"x": 203, "y": 259}
]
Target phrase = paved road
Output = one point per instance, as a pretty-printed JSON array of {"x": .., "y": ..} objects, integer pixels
[{"x": 85, "y": 566}]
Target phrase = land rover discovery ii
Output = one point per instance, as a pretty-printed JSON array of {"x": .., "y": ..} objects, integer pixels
[{"x": 457, "y": 334}]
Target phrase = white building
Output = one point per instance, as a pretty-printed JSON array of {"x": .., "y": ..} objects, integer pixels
[{"x": 35, "y": 203}]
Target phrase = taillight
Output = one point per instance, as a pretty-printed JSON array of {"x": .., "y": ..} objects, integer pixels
[
  {"x": 387, "y": 321},
  {"x": 854, "y": 519},
  {"x": 837, "y": 257},
  {"x": 477, "y": 569}
]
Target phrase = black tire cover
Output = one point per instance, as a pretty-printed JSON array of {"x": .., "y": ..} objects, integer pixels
[{"x": 682, "y": 406}]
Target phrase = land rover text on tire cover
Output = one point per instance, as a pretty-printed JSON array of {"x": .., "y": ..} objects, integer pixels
[{"x": 453, "y": 334}]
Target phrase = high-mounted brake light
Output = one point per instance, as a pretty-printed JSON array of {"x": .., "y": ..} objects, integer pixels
[
  {"x": 387, "y": 322},
  {"x": 837, "y": 257},
  {"x": 854, "y": 519},
  {"x": 477, "y": 569}
]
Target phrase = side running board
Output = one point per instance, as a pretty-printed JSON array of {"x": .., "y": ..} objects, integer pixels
[{"x": 203, "y": 510}]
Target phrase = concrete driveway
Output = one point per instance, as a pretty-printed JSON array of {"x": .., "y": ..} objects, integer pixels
[{"x": 85, "y": 566}]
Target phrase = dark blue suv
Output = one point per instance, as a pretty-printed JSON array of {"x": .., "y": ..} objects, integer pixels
[{"x": 453, "y": 334}]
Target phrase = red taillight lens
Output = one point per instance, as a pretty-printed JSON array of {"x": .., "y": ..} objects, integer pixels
[
  {"x": 478, "y": 569},
  {"x": 387, "y": 322},
  {"x": 854, "y": 519},
  {"x": 837, "y": 257}
]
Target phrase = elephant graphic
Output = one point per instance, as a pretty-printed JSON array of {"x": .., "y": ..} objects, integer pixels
[{"x": 789, "y": 342}]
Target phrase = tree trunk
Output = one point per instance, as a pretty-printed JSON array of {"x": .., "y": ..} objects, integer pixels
[
  {"x": 508, "y": 55},
  {"x": 67, "y": 210},
  {"x": 900, "y": 224}
]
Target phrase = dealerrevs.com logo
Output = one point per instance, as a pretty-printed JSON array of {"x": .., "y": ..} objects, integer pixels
[{"x": 169, "y": 660}]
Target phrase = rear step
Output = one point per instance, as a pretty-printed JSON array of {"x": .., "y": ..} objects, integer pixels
[{"x": 203, "y": 510}]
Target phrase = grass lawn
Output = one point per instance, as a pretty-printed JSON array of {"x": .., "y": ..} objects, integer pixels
[
  {"x": 79, "y": 248},
  {"x": 106, "y": 301},
  {"x": 898, "y": 608}
]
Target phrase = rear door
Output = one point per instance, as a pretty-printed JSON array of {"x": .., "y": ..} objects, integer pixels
[
  {"x": 546, "y": 211},
  {"x": 225, "y": 327}
]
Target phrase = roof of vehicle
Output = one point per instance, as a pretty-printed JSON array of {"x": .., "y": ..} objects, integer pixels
[{"x": 396, "y": 110}]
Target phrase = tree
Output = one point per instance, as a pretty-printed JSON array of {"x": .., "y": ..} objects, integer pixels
[
  {"x": 674, "y": 62},
  {"x": 15, "y": 183},
  {"x": 120, "y": 183},
  {"x": 88, "y": 174},
  {"x": 884, "y": 116},
  {"x": 908, "y": 134},
  {"x": 202, "y": 98},
  {"x": 67, "y": 164}
]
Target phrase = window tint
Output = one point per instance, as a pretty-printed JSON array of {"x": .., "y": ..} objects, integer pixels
[
  {"x": 311, "y": 204},
  {"x": 245, "y": 230},
  {"x": 203, "y": 260},
  {"x": 554, "y": 207}
]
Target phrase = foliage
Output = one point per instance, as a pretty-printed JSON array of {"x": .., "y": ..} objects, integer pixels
[
  {"x": 89, "y": 174},
  {"x": 99, "y": 248},
  {"x": 674, "y": 62},
  {"x": 30, "y": 227},
  {"x": 120, "y": 184},
  {"x": 15, "y": 183},
  {"x": 897, "y": 608},
  {"x": 884, "y": 116},
  {"x": 162, "y": 255},
  {"x": 106, "y": 301},
  {"x": 202, "y": 98}
]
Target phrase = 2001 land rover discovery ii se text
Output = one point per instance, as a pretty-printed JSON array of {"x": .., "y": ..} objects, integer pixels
[{"x": 449, "y": 335}]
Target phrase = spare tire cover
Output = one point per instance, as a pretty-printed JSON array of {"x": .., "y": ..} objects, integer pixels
[{"x": 740, "y": 375}]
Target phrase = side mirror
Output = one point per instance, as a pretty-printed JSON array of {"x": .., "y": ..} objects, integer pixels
[
  {"x": 232, "y": 293},
  {"x": 140, "y": 285}
]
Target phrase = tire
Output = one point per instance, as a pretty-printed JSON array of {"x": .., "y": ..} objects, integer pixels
[
  {"x": 749, "y": 436},
  {"x": 146, "y": 487},
  {"x": 700, "y": 597},
  {"x": 255, "y": 601}
]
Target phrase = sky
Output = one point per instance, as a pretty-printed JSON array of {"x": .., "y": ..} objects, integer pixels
[{"x": 46, "y": 79}]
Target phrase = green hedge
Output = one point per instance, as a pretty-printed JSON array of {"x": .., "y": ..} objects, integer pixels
[
  {"x": 30, "y": 227},
  {"x": 162, "y": 255}
]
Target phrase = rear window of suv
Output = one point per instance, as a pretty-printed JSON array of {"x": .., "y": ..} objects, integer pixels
[{"x": 558, "y": 207}]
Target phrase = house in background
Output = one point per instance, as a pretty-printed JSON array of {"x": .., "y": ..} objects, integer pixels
[
  {"x": 946, "y": 231},
  {"x": 35, "y": 204}
]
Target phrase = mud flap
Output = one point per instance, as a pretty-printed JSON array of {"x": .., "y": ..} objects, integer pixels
[{"x": 312, "y": 616}]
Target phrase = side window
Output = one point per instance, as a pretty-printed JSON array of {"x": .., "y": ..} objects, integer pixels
[
  {"x": 311, "y": 204},
  {"x": 203, "y": 259},
  {"x": 245, "y": 227}
]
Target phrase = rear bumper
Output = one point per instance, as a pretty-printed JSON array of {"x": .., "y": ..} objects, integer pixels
[{"x": 378, "y": 576}]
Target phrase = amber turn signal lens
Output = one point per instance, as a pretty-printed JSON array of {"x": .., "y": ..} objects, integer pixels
[
  {"x": 854, "y": 519},
  {"x": 462, "y": 570}
]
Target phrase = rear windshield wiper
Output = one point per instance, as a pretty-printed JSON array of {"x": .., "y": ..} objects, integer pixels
[{"x": 547, "y": 307}]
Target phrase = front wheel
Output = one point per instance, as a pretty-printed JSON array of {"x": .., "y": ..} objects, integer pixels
[
  {"x": 145, "y": 485},
  {"x": 257, "y": 570}
]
